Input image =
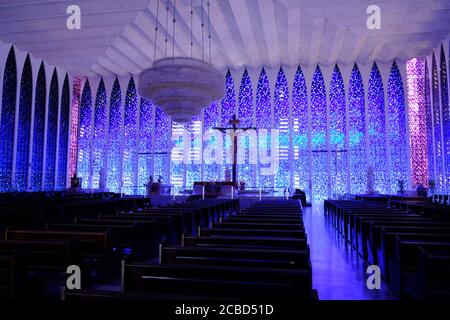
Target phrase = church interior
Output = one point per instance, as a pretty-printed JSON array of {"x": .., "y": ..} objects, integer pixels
[{"x": 224, "y": 150}]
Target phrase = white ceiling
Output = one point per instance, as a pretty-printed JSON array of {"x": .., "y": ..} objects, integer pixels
[{"x": 117, "y": 36}]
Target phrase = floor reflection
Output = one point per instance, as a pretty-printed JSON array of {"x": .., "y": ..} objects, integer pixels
[{"x": 338, "y": 272}]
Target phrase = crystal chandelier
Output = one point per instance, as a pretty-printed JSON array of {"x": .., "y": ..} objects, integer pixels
[{"x": 181, "y": 86}]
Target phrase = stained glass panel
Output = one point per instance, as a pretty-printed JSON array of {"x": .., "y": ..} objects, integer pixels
[
  {"x": 38, "y": 131},
  {"x": 115, "y": 139},
  {"x": 397, "y": 129},
  {"x": 129, "y": 139},
  {"x": 7, "y": 122},
  {"x": 24, "y": 126},
  {"x": 357, "y": 133},
  {"x": 377, "y": 130},
  {"x": 52, "y": 132}
]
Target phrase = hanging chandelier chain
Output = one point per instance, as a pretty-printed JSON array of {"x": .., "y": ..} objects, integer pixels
[
  {"x": 156, "y": 30},
  {"x": 167, "y": 29},
  {"x": 174, "y": 22},
  {"x": 203, "y": 37},
  {"x": 209, "y": 32},
  {"x": 192, "y": 25}
]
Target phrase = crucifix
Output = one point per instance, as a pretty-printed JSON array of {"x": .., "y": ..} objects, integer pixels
[
  {"x": 234, "y": 123},
  {"x": 336, "y": 151}
]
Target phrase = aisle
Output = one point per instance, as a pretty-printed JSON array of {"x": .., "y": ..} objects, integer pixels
[{"x": 338, "y": 273}]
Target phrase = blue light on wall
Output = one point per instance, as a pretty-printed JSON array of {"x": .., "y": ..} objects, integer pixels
[
  {"x": 61, "y": 181},
  {"x": 115, "y": 138},
  {"x": 38, "y": 131},
  {"x": 445, "y": 118},
  {"x": 357, "y": 133},
  {"x": 100, "y": 133},
  {"x": 397, "y": 129},
  {"x": 145, "y": 142},
  {"x": 24, "y": 126},
  {"x": 300, "y": 132},
  {"x": 52, "y": 132},
  {"x": 227, "y": 112},
  {"x": 211, "y": 171},
  {"x": 281, "y": 122},
  {"x": 429, "y": 120},
  {"x": 246, "y": 172},
  {"x": 263, "y": 124},
  {"x": 162, "y": 138},
  {"x": 7, "y": 122},
  {"x": 338, "y": 143},
  {"x": 85, "y": 136},
  {"x": 318, "y": 136},
  {"x": 129, "y": 166},
  {"x": 377, "y": 130}
]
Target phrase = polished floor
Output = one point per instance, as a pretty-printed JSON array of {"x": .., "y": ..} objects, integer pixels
[{"x": 338, "y": 272}]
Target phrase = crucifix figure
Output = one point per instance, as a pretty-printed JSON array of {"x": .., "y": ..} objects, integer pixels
[{"x": 234, "y": 123}]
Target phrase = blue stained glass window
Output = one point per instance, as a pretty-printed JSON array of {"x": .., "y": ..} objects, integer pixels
[
  {"x": 145, "y": 143},
  {"x": 38, "y": 131},
  {"x": 338, "y": 143},
  {"x": 397, "y": 128},
  {"x": 193, "y": 170},
  {"x": 61, "y": 182},
  {"x": 437, "y": 128},
  {"x": 177, "y": 165},
  {"x": 162, "y": 138},
  {"x": 263, "y": 124},
  {"x": 300, "y": 132},
  {"x": 7, "y": 122},
  {"x": 445, "y": 118},
  {"x": 52, "y": 132},
  {"x": 24, "y": 126},
  {"x": 245, "y": 114},
  {"x": 129, "y": 139},
  {"x": 100, "y": 134},
  {"x": 429, "y": 118},
  {"x": 357, "y": 133},
  {"x": 85, "y": 136},
  {"x": 318, "y": 136},
  {"x": 281, "y": 122},
  {"x": 228, "y": 110},
  {"x": 211, "y": 171},
  {"x": 377, "y": 130},
  {"x": 229, "y": 101},
  {"x": 115, "y": 139}
]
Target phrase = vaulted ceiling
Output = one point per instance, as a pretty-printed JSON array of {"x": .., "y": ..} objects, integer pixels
[{"x": 117, "y": 37}]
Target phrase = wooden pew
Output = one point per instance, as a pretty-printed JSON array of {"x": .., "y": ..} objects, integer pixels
[
  {"x": 247, "y": 242},
  {"x": 218, "y": 281},
  {"x": 94, "y": 245},
  {"x": 434, "y": 276},
  {"x": 245, "y": 257},
  {"x": 388, "y": 242},
  {"x": 297, "y": 234},
  {"x": 404, "y": 265},
  {"x": 260, "y": 225},
  {"x": 13, "y": 275},
  {"x": 49, "y": 255}
]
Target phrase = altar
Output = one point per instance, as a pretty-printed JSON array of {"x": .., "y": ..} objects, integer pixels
[{"x": 214, "y": 189}]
